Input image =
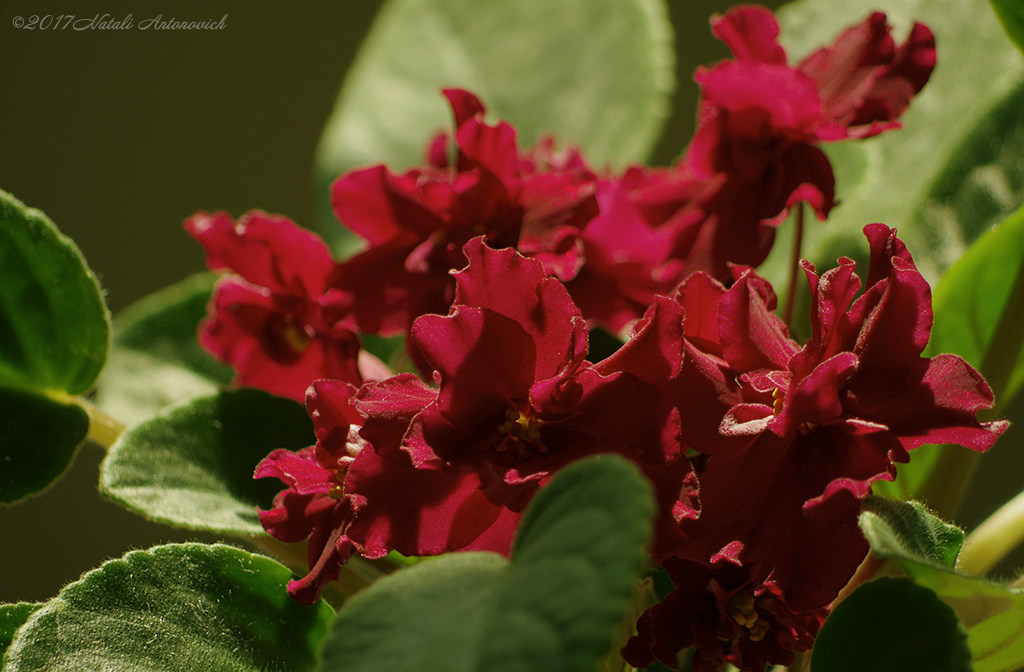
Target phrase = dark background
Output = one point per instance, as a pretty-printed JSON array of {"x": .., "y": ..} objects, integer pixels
[{"x": 119, "y": 135}]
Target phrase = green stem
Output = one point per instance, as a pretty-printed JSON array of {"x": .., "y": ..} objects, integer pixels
[
  {"x": 794, "y": 265},
  {"x": 994, "y": 539},
  {"x": 103, "y": 429}
]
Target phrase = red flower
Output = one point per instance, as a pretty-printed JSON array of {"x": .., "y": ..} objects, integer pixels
[
  {"x": 416, "y": 223},
  {"x": 760, "y": 120},
  {"x": 266, "y": 316},
  {"x": 726, "y": 618},
  {"x": 344, "y": 496},
  {"x": 802, "y": 433}
]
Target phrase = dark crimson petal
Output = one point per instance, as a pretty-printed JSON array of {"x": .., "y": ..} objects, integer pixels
[
  {"x": 505, "y": 282},
  {"x": 492, "y": 148},
  {"x": 752, "y": 336},
  {"x": 380, "y": 207},
  {"x": 817, "y": 398},
  {"x": 831, "y": 330},
  {"x": 464, "y": 105},
  {"x": 700, "y": 296},
  {"x": 418, "y": 511},
  {"x": 762, "y": 101},
  {"x": 806, "y": 176},
  {"x": 704, "y": 392},
  {"x": 751, "y": 33},
  {"x": 266, "y": 250},
  {"x": 329, "y": 549},
  {"x": 382, "y": 296},
  {"x": 388, "y": 407},
  {"x": 293, "y": 516},
  {"x": 895, "y": 331},
  {"x": 300, "y": 471},
  {"x": 329, "y": 404},
  {"x": 847, "y": 69},
  {"x": 653, "y": 352},
  {"x": 885, "y": 247},
  {"x": 938, "y": 404}
]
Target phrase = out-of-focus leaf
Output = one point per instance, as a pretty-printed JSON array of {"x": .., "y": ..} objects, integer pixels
[
  {"x": 155, "y": 359},
  {"x": 1011, "y": 14}
]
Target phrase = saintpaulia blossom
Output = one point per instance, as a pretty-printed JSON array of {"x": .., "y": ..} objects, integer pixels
[
  {"x": 346, "y": 497},
  {"x": 725, "y": 618},
  {"x": 416, "y": 223},
  {"x": 516, "y": 399},
  {"x": 267, "y": 314},
  {"x": 803, "y": 432},
  {"x": 760, "y": 120}
]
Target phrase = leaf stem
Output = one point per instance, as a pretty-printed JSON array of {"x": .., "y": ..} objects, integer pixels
[
  {"x": 794, "y": 265},
  {"x": 991, "y": 541},
  {"x": 103, "y": 429}
]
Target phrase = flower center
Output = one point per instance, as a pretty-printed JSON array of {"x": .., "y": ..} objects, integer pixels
[
  {"x": 741, "y": 609},
  {"x": 520, "y": 427}
]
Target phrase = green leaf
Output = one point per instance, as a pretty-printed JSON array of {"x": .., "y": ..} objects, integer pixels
[
  {"x": 178, "y": 607},
  {"x": 525, "y": 61},
  {"x": 1011, "y": 14},
  {"x": 577, "y": 553},
  {"x": 53, "y": 322},
  {"x": 155, "y": 359},
  {"x": 907, "y": 529},
  {"x": 993, "y": 615},
  {"x": 191, "y": 466},
  {"x": 885, "y": 179},
  {"x": 12, "y": 617},
  {"x": 891, "y": 625},
  {"x": 38, "y": 439}
]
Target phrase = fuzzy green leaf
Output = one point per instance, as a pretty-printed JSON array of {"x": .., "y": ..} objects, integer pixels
[
  {"x": 891, "y": 625},
  {"x": 53, "y": 322},
  {"x": 12, "y": 617},
  {"x": 38, "y": 439},
  {"x": 191, "y": 466},
  {"x": 577, "y": 552},
  {"x": 992, "y": 615},
  {"x": 178, "y": 607},
  {"x": 155, "y": 359},
  {"x": 523, "y": 59}
]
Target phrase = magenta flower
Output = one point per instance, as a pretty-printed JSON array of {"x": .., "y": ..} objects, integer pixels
[
  {"x": 416, "y": 223},
  {"x": 802, "y": 433},
  {"x": 267, "y": 315},
  {"x": 760, "y": 120}
]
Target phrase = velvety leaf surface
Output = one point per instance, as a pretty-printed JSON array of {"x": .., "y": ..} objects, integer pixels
[
  {"x": 1011, "y": 14},
  {"x": 38, "y": 439},
  {"x": 598, "y": 73},
  {"x": 155, "y": 359},
  {"x": 180, "y": 607},
  {"x": 12, "y": 617},
  {"x": 891, "y": 625},
  {"x": 884, "y": 179},
  {"x": 191, "y": 466},
  {"x": 53, "y": 322},
  {"x": 993, "y": 615},
  {"x": 577, "y": 552}
]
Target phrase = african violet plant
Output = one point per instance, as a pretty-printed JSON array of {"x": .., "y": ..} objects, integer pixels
[{"x": 574, "y": 382}]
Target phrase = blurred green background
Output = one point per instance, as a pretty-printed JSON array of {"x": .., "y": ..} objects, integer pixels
[{"x": 119, "y": 135}]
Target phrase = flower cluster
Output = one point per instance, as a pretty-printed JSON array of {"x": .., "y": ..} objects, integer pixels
[{"x": 494, "y": 261}]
